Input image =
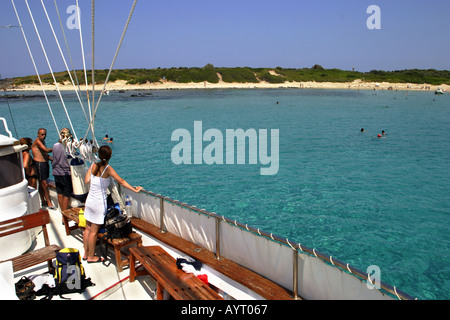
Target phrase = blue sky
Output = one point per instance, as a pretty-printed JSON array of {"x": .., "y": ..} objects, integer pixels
[{"x": 254, "y": 33}]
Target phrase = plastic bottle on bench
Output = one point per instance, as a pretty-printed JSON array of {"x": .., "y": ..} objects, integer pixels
[{"x": 128, "y": 206}]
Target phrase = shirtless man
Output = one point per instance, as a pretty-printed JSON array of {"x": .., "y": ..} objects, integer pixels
[{"x": 41, "y": 157}]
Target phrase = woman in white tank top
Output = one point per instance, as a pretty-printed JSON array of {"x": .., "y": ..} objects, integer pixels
[{"x": 99, "y": 176}]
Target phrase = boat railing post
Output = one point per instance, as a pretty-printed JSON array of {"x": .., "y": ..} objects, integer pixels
[
  {"x": 295, "y": 273},
  {"x": 217, "y": 238},
  {"x": 161, "y": 215}
]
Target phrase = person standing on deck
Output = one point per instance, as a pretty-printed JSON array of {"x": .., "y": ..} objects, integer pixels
[
  {"x": 41, "y": 158},
  {"x": 28, "y": 163},
  {"x": 98, "y": 176},
  {"x": 61, "y": 171}
]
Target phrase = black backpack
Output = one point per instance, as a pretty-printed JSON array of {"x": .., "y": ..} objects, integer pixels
[
  {"x": 117, "y": 225},
  {"x": 69, "y": 273}
]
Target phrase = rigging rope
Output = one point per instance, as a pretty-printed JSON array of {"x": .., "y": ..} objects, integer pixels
[
  {"x": 50, "y": 67},
  {"x": 34, "y": 65},
  {"x": 67, "y": 47},
  {"x": 63, "y": 58},
  {"x": 84, "y": 147},
  {"x": 84, "y": 68},
  {"x": 9, "y": 107},
  {"x": 93, "y": 63},
  {"x": 69, "y": 144},
  {"x": 114, "y": 59}
]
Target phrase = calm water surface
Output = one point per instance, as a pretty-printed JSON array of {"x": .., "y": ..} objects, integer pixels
[{"x": 363, "y": 200}]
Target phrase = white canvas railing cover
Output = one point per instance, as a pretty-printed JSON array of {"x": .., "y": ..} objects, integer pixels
[{"x": 268, "y": 257}]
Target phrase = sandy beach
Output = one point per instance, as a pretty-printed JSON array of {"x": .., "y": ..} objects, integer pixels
[{"x": 167, "y": 85}]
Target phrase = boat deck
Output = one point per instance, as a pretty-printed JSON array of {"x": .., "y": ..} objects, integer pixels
[
  {"x": 109, "y": 283},
  {"x": 261, "y": 287},
  {"x": 114, "y": 285}
]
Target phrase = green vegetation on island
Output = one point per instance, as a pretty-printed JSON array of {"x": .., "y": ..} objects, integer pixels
[{"x": 213, "y": 74}]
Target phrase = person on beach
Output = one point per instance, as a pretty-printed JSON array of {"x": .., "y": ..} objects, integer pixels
[
  {"x": 28, "y": 163},
  {"x": 99, "y": 176},
  {"x": 61, "y": 171},
  {"x": 41, "y": 158}
]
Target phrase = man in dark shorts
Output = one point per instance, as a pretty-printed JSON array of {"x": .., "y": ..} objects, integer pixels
[
  {"x": 41, "y": 158},
  {"x": 61, "y": 171}
]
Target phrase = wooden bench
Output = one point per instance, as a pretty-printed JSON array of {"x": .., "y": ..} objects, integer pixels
[
  {"x": 71, "y": 214},
  {"x": 255, "y": 282},
  {"x": 31, "y": 258},
  {"x": 162, "y": 267}
]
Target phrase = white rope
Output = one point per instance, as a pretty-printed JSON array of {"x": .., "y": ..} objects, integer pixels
[
  {"x": 395, "y": 290},
  {"x": 114, "y": 59},
  {"x": 287, "y": 240},
  {"x": 348, "y": 268},
  {"x": 64, "y": 60},
  {"x": 370, "y": 279},
  {"x": 68, "y": 51},
  {"x": 70, "y": 145},
  {"x": 50, "y": 67},
  {"x": 93, "y": 64},
  {"x": 84, "y": 68},
  {"x": 35, "y": 68}
]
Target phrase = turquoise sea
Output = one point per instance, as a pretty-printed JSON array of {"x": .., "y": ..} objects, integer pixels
[{"x": 362, "y": 199}]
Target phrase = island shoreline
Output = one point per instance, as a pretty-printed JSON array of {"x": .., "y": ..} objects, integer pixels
[{"x": 121, "y": 85}]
